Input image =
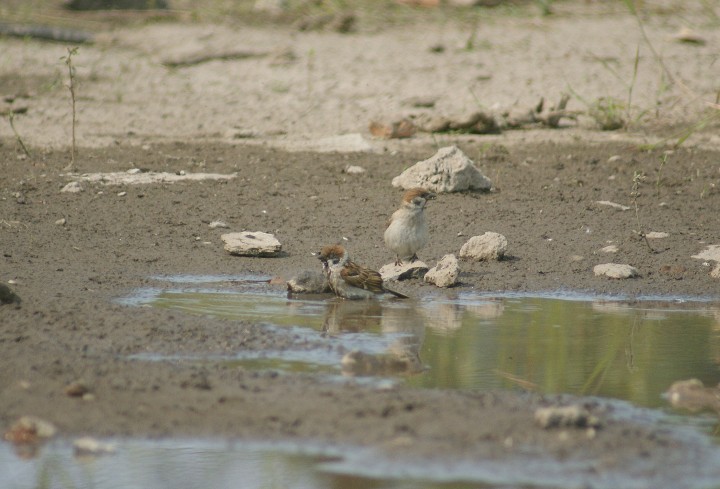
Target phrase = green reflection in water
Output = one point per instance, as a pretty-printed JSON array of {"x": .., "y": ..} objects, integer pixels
[
  {"x": 630, "y": 351},
  {"x": 610, "y": 349}
]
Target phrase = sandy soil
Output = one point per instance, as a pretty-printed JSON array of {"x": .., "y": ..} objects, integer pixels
[{"x": 133, "y": 112}]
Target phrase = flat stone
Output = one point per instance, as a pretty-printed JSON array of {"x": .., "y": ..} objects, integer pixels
[
  {"x": 218, "y": 224},
  {"x": 445, "y": 272},
  {"x": 615, "y": 270},
  {"x": 656, "y": 235},
  {"x": 132, "y": 177},
  {"x": 614, "y": 205},
  {"x": 407, "y": 270},
  {"x": 610, "y": 249},
  {"x": 249, "y": 243},
  {"x": 688, "y": 36},
  {"x": 489, "y": 246},
  {"x": 712, "y": 252},
  {"x": 449, "y": 170},
  {"x": 72, "y": 188},
  {"x": 354, "y": 170},
  {"x": 308, "y": 282}
]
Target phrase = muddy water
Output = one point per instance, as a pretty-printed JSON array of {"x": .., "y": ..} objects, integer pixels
[
  {"x": 558, "y": 343},
  {"x": 228, "y": 464}
]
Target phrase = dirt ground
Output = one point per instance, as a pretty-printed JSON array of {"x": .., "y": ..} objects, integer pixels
[{"x": 266, "y": 117}]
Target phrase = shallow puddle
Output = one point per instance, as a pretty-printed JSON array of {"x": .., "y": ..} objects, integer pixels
[
  {"x": 557, "y": 343},
  {"x": 552, "y": 344},
  {"x": 230, "y": 464}
]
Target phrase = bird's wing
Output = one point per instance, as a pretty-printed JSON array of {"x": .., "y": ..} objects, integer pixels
[
  {"x": 391, "y": 219},
  {"x": 362, "y": 277}
]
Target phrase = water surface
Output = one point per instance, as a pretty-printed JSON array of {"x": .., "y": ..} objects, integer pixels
[{"x": 556, "y": 343}]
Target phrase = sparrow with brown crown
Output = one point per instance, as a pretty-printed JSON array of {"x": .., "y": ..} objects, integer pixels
[
  {"x": 407, "y": 230},
  {"x": 350, "y": 280}
]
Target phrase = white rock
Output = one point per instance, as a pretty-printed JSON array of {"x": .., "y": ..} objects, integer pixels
[
  {"x": 445, "y": 272},
  {"x": 354, "y": 169},
  {"x": 73, "y": 188},
  {"x": 127, "y": 178},
  {"x": 656, "y": 235},
  {"x": 308, "y": 283},
  {"x": 489, "y": 246},
  {"x": 249, "y": 243},
  {"x": 610, "y": 249},
  {"x": 712, "y": 252},
  {"x": 615, "y": 270},
  {"x": 87, "y": 446},
  {"x": 61, "y": 222},
  {"x": 218, "y": 224},
  {"x": 449, "y": 170},
  {"x": 407, "y": 270},
  {"x": 614, "y": 205}
]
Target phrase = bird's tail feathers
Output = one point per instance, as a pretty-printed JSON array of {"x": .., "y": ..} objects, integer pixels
[{"x": 397, "y": 294}]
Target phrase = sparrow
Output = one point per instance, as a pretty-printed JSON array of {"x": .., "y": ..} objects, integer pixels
[
  {"x": 407, "y": 230},
  {"x": 348, "y": 279}
]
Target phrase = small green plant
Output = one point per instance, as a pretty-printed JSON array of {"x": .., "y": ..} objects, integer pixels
[
  {"x": 659, "y": 173},
  {"x": 704, "y": 192},
  {"x": 11, "y": 119},
  {"x": 638, "y": 179},
  {"x": 71, "y": 87},
  {"x": 545, "y": 7},
  {"x": 609, "y": 113}
]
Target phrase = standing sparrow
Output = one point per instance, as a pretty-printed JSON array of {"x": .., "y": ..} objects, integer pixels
[
  {"x": 348, "y": 279},
  {"x": 407, "y": 230}
]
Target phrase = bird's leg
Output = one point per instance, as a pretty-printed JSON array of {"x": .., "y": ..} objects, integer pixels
[
  {"x": 398, "y": 261},
  {"x": 414, "y": 258}
]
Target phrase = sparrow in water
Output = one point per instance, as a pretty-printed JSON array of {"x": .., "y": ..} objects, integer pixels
[
  {"x": 348, "y": 279},
  {"x": 407, "y": 230}
]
